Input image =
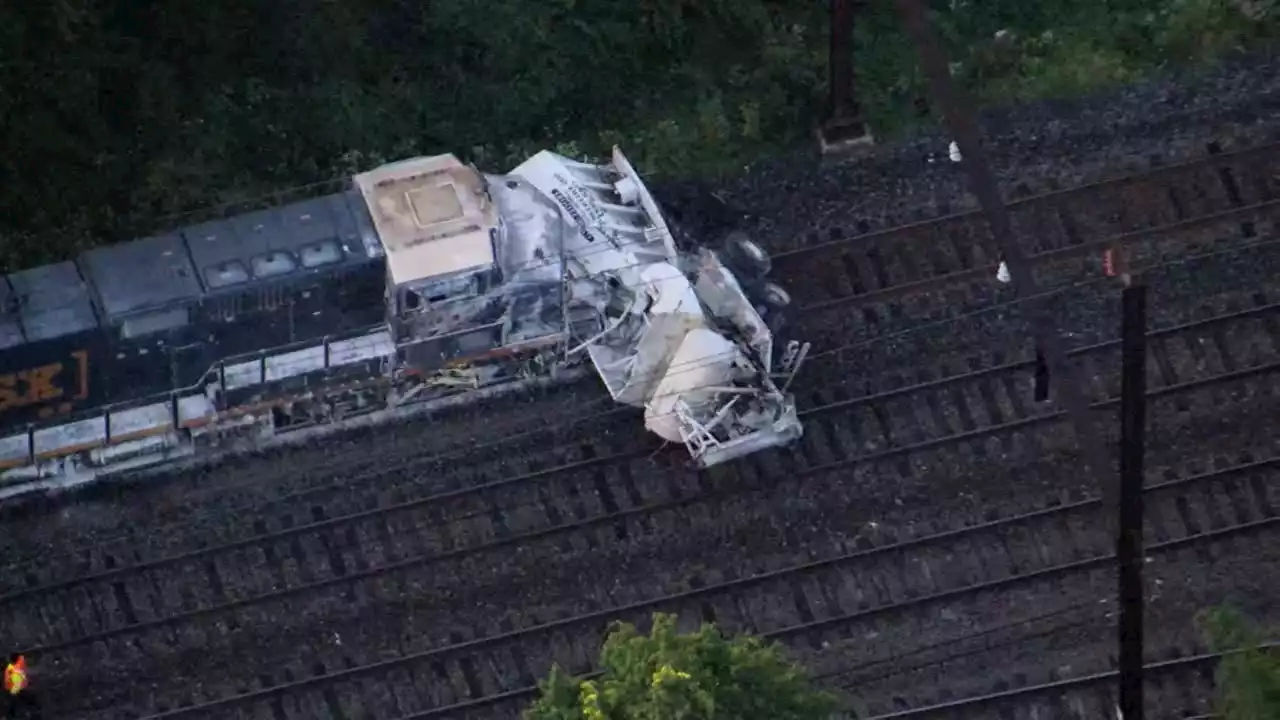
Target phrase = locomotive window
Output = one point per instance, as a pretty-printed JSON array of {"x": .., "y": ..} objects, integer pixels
[
  {"x": 461, "y": 286},
  {"x": 475, "y": 342},
  {"x": 273, "y": 263},
  {"x": 325, "y": 252},
  {"x": 226, "y": 308},
  {"x": 154, "y": 322},
  {"x": 227, "y": 273}
]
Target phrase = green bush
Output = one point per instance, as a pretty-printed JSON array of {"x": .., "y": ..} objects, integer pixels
[
  {"x": 1248, "y": 677},
  {"x": 668, "y": 675}
]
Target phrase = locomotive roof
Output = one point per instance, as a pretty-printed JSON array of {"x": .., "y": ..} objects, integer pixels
[
  {"x": 44, "y": 303},
  {"x": 433, "y": 216},
  {"x": 143, "y": 274},
  {"x": 266, "y": 243},
  {"x": 181, "y": 266},
  {"x": 185, "y": 264}
]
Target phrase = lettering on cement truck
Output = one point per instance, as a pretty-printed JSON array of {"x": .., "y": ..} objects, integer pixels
[{"x": 573, "y": 213}]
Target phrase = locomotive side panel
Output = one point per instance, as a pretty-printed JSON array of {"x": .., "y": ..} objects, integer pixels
[
  {"x": 158, "y": 352},
  {"x": 424, "y": 281},
  {"x": 355, "y": 297},
  {"x": 142, "y": 276},
  {"x": 357, "y": 292},
  {"x": 305, "y": 370},
  {"x": 43, "y": 381},
  {"x": 148, "y": 290},
  {"x": 272, "y": 275},
  {"x": 59, "y": 367},
  {"x": 242, "y": 274}
]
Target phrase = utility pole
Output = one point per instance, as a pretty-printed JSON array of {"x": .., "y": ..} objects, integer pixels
[
  {"x": 1129, "y": 548},
  {"x": 843, "y": 130},
  {"x": 958, "y": 118},
  {"x": 1123, "y": 501}
]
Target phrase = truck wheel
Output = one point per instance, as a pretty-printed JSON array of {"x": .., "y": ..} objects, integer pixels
[
  {"x": 774, "y": 297},
  {"x": 746, "y": 257},
  {"x": 773, "y": 303}
]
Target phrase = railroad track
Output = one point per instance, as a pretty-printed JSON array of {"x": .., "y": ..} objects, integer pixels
[
  {"x": 1043, "y": 150},
  {"x": 843, "y": 596},
  {"x": 305, "y": 549},
  {"x": 335, "y": 482},
  {"x": 1183, "y": 688},
  {"x": 161, "y": 614},
  {"x": 1031, "y": 638},
  {"x": 906, "y": 405},
  {"x": 864, "y": 285}
]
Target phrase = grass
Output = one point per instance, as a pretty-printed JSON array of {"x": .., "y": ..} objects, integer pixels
[
  {"x": 737, "y": 92},
  {"x": 1004, "y": 51},
  {"x": 1059, "y": 49}
]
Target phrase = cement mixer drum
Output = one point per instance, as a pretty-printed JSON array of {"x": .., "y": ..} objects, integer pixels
[{"x": 702, "y": 362}]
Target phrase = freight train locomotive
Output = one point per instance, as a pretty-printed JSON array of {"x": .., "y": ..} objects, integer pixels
[{"x": 420, "y": 280}]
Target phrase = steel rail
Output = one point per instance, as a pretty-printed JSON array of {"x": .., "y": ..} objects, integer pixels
[
  {"x": 568, "y": 467},
  {"x": 603, "y": 615},
  {"x": 958, "y": 116},
  {"x": 1076, "y": 566},
  {"x": 938, "y": 282},
  {"x": 1059, "y": 685},
  {"x": 1188, "y": 168}
]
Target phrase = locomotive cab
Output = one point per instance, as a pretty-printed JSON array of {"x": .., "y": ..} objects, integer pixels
[{"x": 439, "y": 229}]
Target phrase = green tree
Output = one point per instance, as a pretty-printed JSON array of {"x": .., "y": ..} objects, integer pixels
[
  {"x": 117, "y": 114},
  {"x": 1248, "y": 679},
  {"x": 667, "y": 675}
]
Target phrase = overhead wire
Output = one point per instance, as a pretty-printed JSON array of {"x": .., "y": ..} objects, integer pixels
[
  {"x": 898, "y": 657},
  {"x": 342, "y": 185},
  {"x": 702, "y": 363},
  {"x": 561, "y": 259}
]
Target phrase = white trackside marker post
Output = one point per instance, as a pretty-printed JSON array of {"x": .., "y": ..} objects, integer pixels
[
  {"x": 954, "y": 152},
  {"x": 1002, "y": 273}
]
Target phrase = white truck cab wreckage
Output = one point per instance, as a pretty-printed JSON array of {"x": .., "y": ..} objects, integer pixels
[
  {"x": 569, "y": 259},
  {"x": 475, "y": 284}
]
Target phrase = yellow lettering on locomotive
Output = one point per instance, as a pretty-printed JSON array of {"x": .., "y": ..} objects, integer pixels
[
  {"x": 82, "y": 367},
  {"x": 8, "y": 392},
  {"x": 39, "y": 385}
]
